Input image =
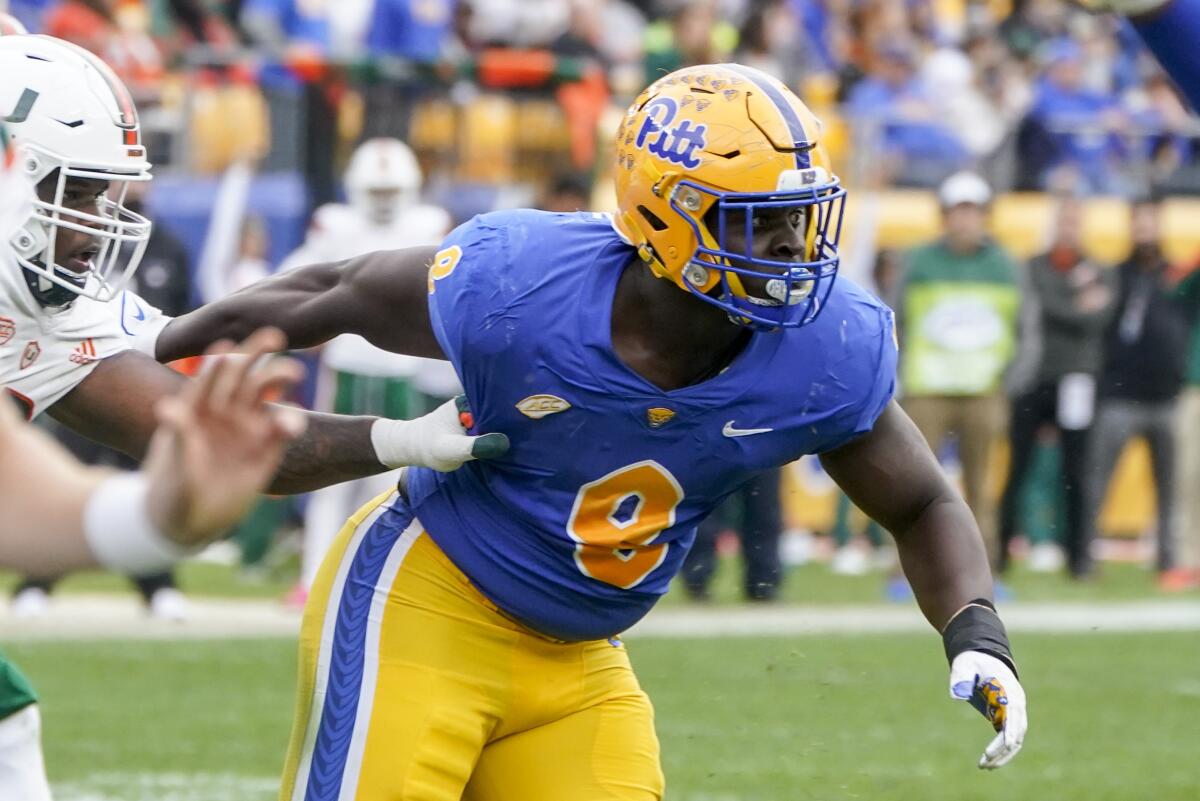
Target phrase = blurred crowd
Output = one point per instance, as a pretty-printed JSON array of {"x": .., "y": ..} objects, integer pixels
[
  {"x": 274, "y": 112},
  {"x": 1035, "y": 94},
  {"x": 1061, "y": 353},
  {"x": 1029, "y": 379}
]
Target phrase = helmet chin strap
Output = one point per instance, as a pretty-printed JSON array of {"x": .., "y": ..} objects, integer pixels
[
  {"x": 49, "y": 294},
  {"x": 31, "y": 242}
]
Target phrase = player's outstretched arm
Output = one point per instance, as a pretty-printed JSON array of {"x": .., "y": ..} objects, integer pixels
[
  {"x": 381, "y": 296},
  {"x": 43, "y": 491},
  {"x": 115, "y": 404},
  {"x": 1170, "y": 28},
  {"x": 1171, "y": 32},
  {"x": 218, "y": 444},
  {"x": 891, "y": 475}
]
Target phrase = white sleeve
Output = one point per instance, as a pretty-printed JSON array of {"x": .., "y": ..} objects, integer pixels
[
  {"x": 47, "y": 356},
  {"x": 141, "y": 323}
]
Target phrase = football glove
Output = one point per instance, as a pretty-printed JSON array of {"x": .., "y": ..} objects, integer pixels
[
  {"x": 439, "y": 440},
  {"x": 990, "y": 686}
]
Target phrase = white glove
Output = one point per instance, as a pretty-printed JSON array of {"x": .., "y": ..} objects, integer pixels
[
  {"x": 141, "y": 322},
  {"x": 438, "y": 440},
  {"x": 992, "y": 688}
]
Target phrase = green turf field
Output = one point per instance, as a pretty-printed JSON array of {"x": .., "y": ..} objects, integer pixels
[
  {"x": 812, "y": 583},
  {"x": 1113, "y": 718}
]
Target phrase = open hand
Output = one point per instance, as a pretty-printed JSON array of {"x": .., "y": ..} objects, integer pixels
[{"x": 219, "y": 442}]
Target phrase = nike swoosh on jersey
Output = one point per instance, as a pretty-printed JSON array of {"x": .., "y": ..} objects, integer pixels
[
  {"x": 730, "y": 431},
  {"x": 141, "y": 313}
]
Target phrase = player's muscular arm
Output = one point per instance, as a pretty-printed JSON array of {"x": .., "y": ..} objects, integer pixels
[
  {"x": 381, "y": 296},
  {"x": 114, "y": 405},
  {"x": 891, "y": 475}
]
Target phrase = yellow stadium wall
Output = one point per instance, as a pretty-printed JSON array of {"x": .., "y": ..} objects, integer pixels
[{"x": 1022, "y": 222}]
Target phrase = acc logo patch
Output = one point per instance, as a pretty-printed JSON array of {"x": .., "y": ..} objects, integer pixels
[
  {"x": 7, "y": 330},
  {"x": 677, "y": 144},
  {"x": 536, "y": 407},
  {"x": 30, "y": 354},
  {"x": 659, "y": 416}
]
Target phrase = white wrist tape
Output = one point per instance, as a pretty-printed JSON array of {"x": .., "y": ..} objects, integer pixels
[
  {"x": 436, "y": 440},
  {"x": 390, "y": 438},
  {"x": 119, "y": 531}
]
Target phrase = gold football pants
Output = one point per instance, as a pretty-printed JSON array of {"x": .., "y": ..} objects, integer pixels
[{"x": 414, "y": 687}]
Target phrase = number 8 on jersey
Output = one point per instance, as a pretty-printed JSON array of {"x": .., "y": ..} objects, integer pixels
[{"x": 615, "y": 520}]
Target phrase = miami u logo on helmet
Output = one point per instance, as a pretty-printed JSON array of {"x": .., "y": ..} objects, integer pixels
[{"x": 677, "y": 145}]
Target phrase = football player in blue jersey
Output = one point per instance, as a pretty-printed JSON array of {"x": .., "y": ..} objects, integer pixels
[{"x": 461, "y": 640}]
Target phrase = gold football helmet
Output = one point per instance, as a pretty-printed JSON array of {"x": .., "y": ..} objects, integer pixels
[{"x": 708, "y": 148}]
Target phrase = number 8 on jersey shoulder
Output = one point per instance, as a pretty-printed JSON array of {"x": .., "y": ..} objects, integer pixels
[{"x": 444, "y": 262}]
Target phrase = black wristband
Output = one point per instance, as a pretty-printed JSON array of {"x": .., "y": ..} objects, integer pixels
[{"x": 978, "y": 628}]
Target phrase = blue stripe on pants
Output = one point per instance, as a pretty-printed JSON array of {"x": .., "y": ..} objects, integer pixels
[{"x": 344, "y": 686}]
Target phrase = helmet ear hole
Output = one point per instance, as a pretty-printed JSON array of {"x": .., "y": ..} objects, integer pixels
[{"x": 655, "y": 221}]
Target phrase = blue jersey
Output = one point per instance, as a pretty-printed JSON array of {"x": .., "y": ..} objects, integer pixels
[
  {"x": 412, "y": 29},
  {"x": 578, "y": 530}
]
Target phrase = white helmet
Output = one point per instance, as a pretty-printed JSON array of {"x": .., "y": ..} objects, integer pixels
[
  {"x": 383, "y": 178},
  {"x": 16, "y": 193},
  {"x": 70, "y": 117},
  {"x": 10, "y": 25}
]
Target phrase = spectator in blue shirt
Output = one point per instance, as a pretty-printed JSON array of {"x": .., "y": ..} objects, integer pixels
[
  {"x": 283, "y": 24},
  {"x": 407, "y": 35},
  {"x": 415, "y": 30},
  {"x": 297, "y": 36},
  {"x": 1071, "y": 127},
  {"x": 819, "y": 50},
  {"x": 894, "y": 97}
]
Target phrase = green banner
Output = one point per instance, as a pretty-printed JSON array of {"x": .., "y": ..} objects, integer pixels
[{"x": 959, "y": 337}]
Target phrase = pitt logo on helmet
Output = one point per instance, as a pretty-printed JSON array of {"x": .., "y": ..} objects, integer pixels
[{"x": 678, "y": 144}]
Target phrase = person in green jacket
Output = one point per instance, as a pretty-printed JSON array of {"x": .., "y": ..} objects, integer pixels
[{"x": 958, "y": 306}]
